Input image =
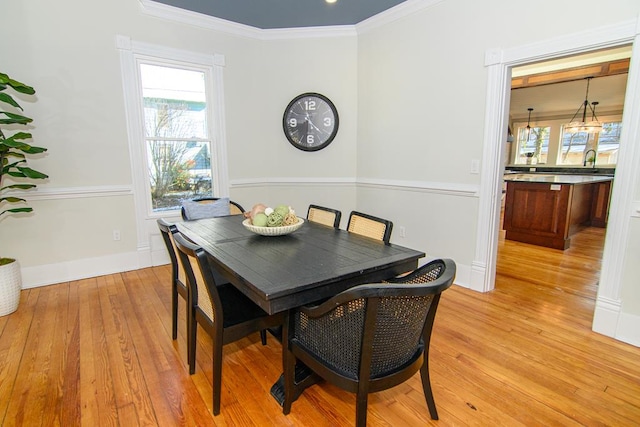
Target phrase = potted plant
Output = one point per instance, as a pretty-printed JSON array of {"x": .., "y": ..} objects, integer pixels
[{"x": 13, "y": 162}]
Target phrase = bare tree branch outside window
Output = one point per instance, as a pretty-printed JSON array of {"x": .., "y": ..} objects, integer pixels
[{"x": 170, "y": 127}]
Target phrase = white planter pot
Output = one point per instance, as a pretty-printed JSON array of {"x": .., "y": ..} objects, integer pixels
[{"x": 10, "y": 287}]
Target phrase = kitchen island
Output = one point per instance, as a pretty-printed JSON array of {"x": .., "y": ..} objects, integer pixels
[{"x": 547, "y": 209}]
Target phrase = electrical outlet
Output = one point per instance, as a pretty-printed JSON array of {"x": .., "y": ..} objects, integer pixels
[
  {"x": 403, "y": 231},
  {"x": 116, "y": 235}
]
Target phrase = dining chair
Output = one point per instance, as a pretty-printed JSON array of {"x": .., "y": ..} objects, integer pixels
[
  {"x": 369, "y": 338},
  {"x": 370, "y": 226},
  {"x": 325, "y": 216},
  {"x": 207, "y": 207},
  {"x": 224, "y": 312},
  {"x": 178, "y": 280}
]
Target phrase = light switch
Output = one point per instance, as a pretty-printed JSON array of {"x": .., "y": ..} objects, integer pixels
[{"x": 475, "y": 166}]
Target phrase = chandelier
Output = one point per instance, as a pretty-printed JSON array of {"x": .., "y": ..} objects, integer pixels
[{"x": 592, "y": 126}]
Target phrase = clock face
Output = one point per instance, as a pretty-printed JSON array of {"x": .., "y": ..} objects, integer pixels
[{"x": 310, "y": 122}]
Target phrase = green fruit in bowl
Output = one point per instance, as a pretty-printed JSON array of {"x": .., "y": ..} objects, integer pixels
[
  {"x": 275, "y": 219},
  {"x": 260, "y": 220},
  {"x": 282, "y": 210}
]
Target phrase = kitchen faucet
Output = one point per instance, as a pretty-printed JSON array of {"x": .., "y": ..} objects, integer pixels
[{"x": 586, "y": 156}]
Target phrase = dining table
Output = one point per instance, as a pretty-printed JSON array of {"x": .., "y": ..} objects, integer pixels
[
  {"x": 315, "y": 262},
  {"x": 281, "y": 273}
]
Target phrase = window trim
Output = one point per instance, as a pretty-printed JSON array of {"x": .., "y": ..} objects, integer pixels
[{"x": 132, "y": 53}]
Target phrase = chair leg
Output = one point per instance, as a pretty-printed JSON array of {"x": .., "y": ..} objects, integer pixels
[
  {"x": 174, "y": 312},
  {"x": 192, "y": 332},
  {"x": 263, "y": 336},
  {"x": 217, "y": 373},
  {"x": 426, "y": 386},
  {"x": 361, "y": 409}
]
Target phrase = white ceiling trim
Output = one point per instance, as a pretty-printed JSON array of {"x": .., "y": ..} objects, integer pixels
[
  {"x": 395, "y": 13},
  {"x": 172, "y": 13}
]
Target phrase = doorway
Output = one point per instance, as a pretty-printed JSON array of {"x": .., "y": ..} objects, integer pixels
[
  {"x": 552, "y": 90},
  {"x": 499, "y": 64}
]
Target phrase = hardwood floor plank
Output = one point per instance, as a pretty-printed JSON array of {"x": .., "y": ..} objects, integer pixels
[
  {"x": 13, "y": 342},
  {"x": 98, "y": 352},
  {"x": 32, "y": 390},
  {"x": 69, "y": 402},
  {"x": 97, "y": 394},
  {"x": 120, "y": 350}
]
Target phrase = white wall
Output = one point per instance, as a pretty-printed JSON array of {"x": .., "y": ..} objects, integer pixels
[
  {"x": 67, "y": 51},
  {"x": 411, "y": 95},
  {"x": 422, "y": 108}
]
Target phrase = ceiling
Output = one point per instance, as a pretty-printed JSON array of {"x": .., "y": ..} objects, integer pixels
[
  {"x": 564, "y": 98},
  {"x": 271, "y": 14}
]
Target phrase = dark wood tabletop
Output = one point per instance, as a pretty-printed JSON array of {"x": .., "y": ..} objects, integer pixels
[{"x": 282, "y": 272}]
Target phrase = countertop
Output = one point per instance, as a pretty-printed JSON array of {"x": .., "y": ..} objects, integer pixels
[
  {"x": 553, "y": 170},
  {"x": 556, "y": 179}
]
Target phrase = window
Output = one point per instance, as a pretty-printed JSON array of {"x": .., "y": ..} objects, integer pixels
[
  {"x": 177, "y": 140},
  {"x": 175, "y": 122},
  {"x": 533, "y": 145},
  {"x": 547, "y": 143},
  {"x": 575, "y": 146}
]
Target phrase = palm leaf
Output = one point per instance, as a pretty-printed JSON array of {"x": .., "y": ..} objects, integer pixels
[
  {"x": 12, "y": 199},
  {"x": 31, "y": 173},
  {"x": 14, "y": 119},
  {"x": 16, "y": 85},
  {"x": 16, "y": 210},
  {"x": 18, "y": 187},
  {"x": 6, "y": 98}
]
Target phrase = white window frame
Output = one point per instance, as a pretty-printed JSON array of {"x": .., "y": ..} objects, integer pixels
[
  {"x": 555, "y": 139},
  {"x": 132, "y": 53}
]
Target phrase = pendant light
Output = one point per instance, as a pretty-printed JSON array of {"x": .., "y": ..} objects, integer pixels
[
  {"x": 528, "y": 154},
  {"x": 592, "y": 126},
  {"x": 529, "y": 124}
]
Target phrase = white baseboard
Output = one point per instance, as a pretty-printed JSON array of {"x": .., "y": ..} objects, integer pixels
[
  {"x": 609, "y": 320},
  {"x": 48, "y": 274},
  {"x": 628, "y": 330},
  {"x": 463, "y": 276},
  {"x": 605, "y": 316}
]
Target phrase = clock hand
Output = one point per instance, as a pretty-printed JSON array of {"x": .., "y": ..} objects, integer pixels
[{"x": 317, "y": 128}]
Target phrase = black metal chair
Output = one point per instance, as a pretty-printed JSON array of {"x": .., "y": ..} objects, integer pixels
[
  {"x": 178, "y": 280},
  {"x": 234, "y": 208},
  {"x": 325, "y": 216},
  {"x": 369, "y": 338},
  {"x": 224, "y": 312},
  {"x": 370, "y": 226}
]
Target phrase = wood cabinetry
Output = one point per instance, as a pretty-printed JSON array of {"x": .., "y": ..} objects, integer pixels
[{"x": 548, "y": 211}]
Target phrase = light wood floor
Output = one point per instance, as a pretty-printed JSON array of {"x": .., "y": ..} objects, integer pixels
[{"x": 98, "y": 352}]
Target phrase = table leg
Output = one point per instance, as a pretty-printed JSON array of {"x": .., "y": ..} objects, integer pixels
[{"x": 303, "y": 376}]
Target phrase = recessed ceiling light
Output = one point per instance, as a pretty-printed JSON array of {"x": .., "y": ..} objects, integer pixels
[{"x": 331, "y": 1}]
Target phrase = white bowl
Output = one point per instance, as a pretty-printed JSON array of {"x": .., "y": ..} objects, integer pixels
[{"x": 273, "y": 231}]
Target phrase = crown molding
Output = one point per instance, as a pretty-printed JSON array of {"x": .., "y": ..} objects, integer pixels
[
  {"x": 172, "y": 13},
  {"x": 395, "y": 13}
]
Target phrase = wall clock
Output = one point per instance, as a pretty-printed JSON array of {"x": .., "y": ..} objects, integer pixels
[{"x": 310, "y": 121}]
